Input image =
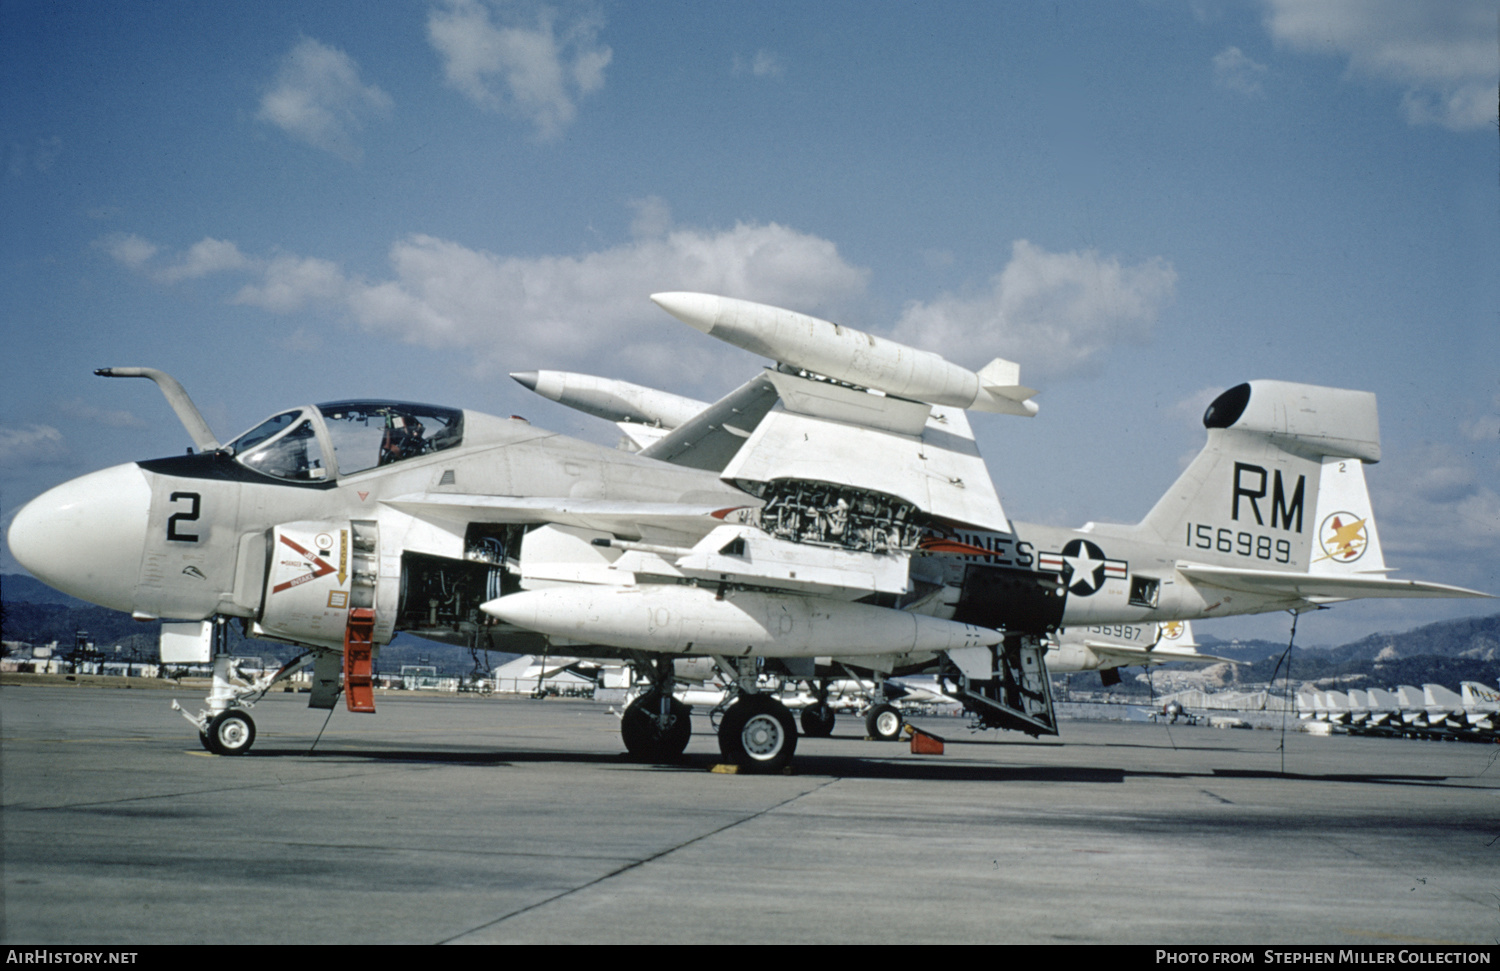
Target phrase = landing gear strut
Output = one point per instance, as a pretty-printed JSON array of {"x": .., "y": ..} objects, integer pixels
[
  {"x": 757, "y": 732},
  {"x": 652, "y": 734},
  {"x": 224, "y": 728},
  {"x": 817, "y": 719},
  {"x": 656, "y": 727}
]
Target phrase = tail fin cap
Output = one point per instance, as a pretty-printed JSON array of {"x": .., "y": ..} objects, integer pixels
[{"x": 1320, "y": 422}]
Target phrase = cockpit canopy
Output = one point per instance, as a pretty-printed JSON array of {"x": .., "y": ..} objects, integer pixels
[{"x": 361, "y": 435}]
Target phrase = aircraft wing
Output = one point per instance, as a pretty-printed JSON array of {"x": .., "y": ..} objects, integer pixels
[
  {"x": 710, "y": 439},
  {"x": 623, "y": 518},
  {"x": 1316, "y": 588},
  {"x": 821, "y": 432}
]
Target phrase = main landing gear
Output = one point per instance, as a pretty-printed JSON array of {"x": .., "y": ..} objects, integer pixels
[
  {"x": 883, "y": 723},
  {"x": 817, "y": 719},
  {"x": 656, "y": 727},
  {"x": 757, "y": 732}
]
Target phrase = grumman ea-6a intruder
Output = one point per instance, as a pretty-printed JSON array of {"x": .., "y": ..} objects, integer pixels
[{"x": 832, "y": 509}]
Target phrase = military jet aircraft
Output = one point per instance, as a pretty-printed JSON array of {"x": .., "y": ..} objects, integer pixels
[
  {"x": 1108, "y": 647},
  {"x": 835, "y": 505}
]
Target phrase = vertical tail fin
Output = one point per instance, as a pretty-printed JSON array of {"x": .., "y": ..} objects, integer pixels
[
  {"x": 1279, "y": 484},
  {"x": 1480, "y": 697}
]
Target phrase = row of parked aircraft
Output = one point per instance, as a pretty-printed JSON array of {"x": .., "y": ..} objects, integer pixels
[
  {"x": 1431, "y": 711},
  {"x": 831, "y": 513}
]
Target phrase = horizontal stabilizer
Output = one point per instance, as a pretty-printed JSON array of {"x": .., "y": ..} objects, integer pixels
[
  {"x": 1314, "y": 588},
  {"x": 1162, "y": 653}
]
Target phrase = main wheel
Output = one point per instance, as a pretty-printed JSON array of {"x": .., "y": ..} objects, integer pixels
[
  {"x": 644, "y": 737},
  {"x": 817, "y": 721},
  {"x": 758, "y": 734},
  {"x": 230, "y": 733},
  {"x": 883, "y": 723}
]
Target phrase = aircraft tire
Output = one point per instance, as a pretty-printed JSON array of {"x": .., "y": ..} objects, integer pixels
[
  {"x": 230, "y": 733},
  {"x": 883, "y": 723},
  {"x": 203, "y": 740},
  {"x": 817, "y": 721},
  {"x": 758, "y": 734},
  {"x": 645, "y": 740}
]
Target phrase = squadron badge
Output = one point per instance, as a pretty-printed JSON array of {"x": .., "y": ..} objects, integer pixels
[{"x": 1343, "y": 537}]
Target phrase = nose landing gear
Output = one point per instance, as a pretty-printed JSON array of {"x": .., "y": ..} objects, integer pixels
[{"x": 229, "y": 733}]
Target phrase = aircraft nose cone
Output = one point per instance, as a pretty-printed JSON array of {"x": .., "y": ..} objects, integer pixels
[{"x": 86, "y": 537}]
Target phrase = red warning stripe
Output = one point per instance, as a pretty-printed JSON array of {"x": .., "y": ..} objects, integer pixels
[{"x": 937, "y": 544}]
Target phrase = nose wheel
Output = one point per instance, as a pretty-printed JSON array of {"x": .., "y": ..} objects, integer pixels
[{"x": 229, "y": 733}]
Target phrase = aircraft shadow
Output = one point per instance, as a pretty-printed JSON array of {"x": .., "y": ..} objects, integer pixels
[
  {"x": 873, "y": 767},
  {"x": 832, "y": 766}
]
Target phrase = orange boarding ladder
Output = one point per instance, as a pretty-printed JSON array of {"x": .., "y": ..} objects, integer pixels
[{"x": 359, "y": 679}]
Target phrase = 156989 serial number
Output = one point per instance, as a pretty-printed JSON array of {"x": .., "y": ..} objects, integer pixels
[{"x": 1221, "y": 539}]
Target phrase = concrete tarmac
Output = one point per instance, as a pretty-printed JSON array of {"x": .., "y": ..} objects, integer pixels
[{"x": 466, "y": 820}]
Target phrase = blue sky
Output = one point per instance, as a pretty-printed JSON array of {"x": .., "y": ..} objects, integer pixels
[{"x": 1142, "y": 203}]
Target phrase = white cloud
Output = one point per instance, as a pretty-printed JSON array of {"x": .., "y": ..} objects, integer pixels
[
  {"x": 552, "y": 311},
  {"x": 533, "y": 69},
  {"x": 1235, "y": 71},
  {"x": 653, "y": 218},
  {"x": 128, "y": 249},
  {"x": 31, "y": 444},
  {"x": 290, "y": 283},
  {"x": 80, "y": 410},
  {"x": 1439, "y": 517},
  {"x": 318, "y": 98},
  {"x": 1051, "y": 312},
  {"x": 1464, "y": 107},
  {"x": 765, "y": 64},
  {"x": 565, "y": 309},
  {"x": 1486, "y": 427},
  {"x": 1442, "y": 50},
  {"x": 202, "y": 258}
]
